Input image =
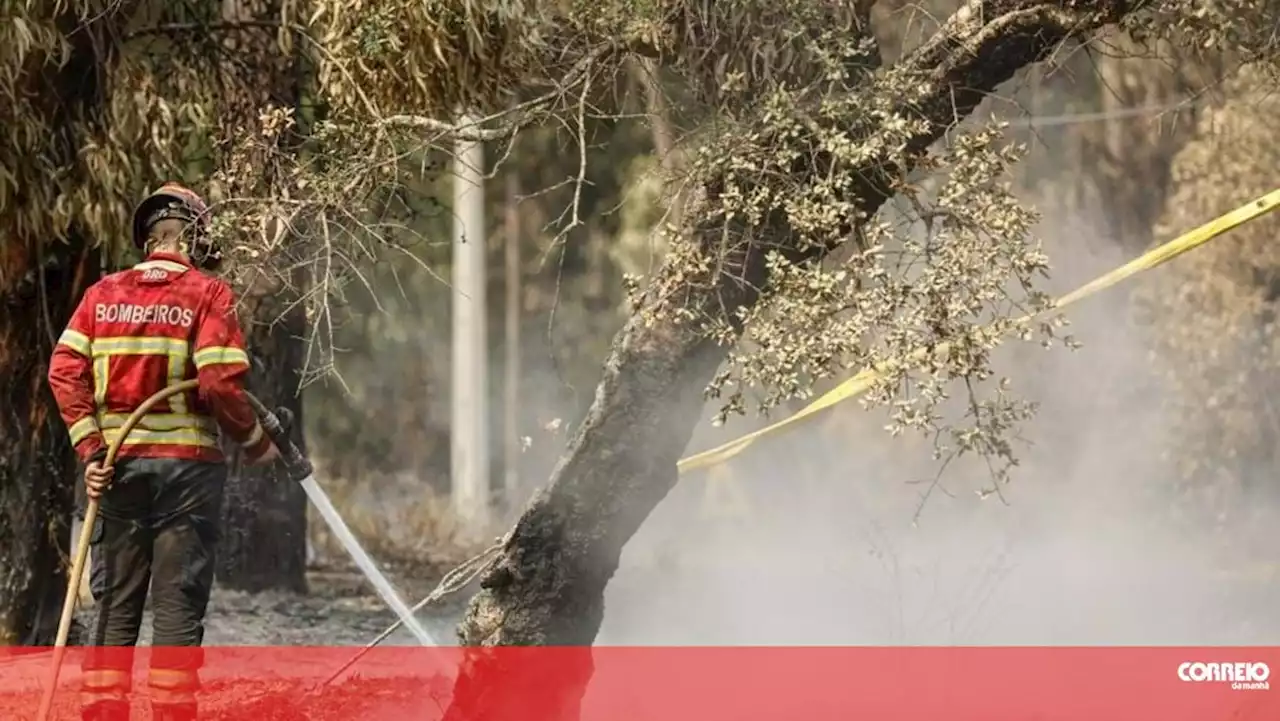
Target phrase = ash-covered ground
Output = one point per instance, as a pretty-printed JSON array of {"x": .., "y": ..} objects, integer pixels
[{"x": 341, "y": 609}]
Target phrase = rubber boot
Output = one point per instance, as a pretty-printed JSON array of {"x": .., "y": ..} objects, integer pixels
[
  {"x": 173, "y": 712},
  {"x": 105, "y": 711}
]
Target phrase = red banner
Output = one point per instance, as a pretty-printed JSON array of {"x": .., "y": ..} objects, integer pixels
[{"x": 697, "y": 684}]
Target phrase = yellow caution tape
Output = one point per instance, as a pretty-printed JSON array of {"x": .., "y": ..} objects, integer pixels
[{"x": 864, "y": 379}]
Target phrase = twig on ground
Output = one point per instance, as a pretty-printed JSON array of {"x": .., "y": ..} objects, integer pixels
[{"x": 453, "y": 581}]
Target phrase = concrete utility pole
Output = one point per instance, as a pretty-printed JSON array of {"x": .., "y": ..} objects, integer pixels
[
  {"x": 470, "y": 393},
  {"x": 511, "y": 389}
]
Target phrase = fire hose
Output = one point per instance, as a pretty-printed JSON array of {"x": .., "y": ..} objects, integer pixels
[{"x": 300, "y": 470}]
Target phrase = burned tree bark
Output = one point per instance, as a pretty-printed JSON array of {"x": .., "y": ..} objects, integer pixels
[
  {"x": 1126, "y": 147},
  {"x": 38, "y": 292},
  {"x": 547, "y": 587},
  {"x": 264, "y": 535},
  {"x": 41, "y": 282},
  {"x": 265, "y": 514}
]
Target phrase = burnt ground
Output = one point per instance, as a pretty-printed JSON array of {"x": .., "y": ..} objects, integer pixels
[{"x": 340, "y": 609}]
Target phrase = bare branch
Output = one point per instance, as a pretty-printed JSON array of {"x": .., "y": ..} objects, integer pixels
[
  {"x": 517, "y": 117},
  {"x": 206, "y": 28}
]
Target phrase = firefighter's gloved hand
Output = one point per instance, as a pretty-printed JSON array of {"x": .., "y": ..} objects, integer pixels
[{"x": 285, "y": 416}]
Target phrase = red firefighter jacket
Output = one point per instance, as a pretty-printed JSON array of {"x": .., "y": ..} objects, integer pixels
[{"x": 142, "y": 329}]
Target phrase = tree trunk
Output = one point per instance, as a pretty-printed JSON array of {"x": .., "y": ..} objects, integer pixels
[
  {"x": 1141, "y": 146},
  {"x": 645, "y": 71},
  {"x": 547, "y": 587},
  {"x": 264, "y": 517},
  {"x": 264, "y": 539},
  {"x": 37, "y": 466}
]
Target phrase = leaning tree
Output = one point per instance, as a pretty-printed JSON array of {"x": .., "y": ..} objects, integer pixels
[{"x": 804, "y": 132}]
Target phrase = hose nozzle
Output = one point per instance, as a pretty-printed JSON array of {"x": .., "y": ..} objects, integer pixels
[{"x": 276, "y": 425}]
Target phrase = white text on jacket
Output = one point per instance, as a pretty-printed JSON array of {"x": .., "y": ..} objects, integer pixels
[{"x": 130, "y": 313}]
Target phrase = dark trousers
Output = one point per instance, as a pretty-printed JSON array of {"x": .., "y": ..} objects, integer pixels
[{"x": 157, "y": 528}]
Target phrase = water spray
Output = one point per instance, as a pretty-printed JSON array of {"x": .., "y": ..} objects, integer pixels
[{"x": 301, "y": 471}]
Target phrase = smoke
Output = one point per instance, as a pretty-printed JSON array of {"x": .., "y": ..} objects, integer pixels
[
  {"x": 831, "y": 538},
  {"x": 835, "y": 533}
]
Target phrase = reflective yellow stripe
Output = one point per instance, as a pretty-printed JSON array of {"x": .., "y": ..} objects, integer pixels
[
  {"x": 181, "y": 437},
  {"x": 173, "y": 696},
  {"x": 105, "y": 680},
  {"x": 169, "y": 678},
  {"x": 82, "y": 429},
  {"x": 88, "y": 698},
  {"x": 161, "y": 265},
  {"x": 76, "y": 341},
  {"x": 138, "y": 345},
  {"x": 161, "y": 422},
  {"x": 177, "y": 372},
  {"x": 216, "y": 355},
  {"x": 101, "y": 372},
  {"x": 172, "y": 686}
]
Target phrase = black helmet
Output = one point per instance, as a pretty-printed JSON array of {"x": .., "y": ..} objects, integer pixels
[
  {"x": 176, "y": 201},
  {"x": 170, "y": 201}
]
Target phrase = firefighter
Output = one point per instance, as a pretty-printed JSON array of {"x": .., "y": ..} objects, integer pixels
[{"x": 165, "y": 320}]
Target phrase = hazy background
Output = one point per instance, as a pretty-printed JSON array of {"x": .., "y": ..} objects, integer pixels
[{"x": 837, "y": 545}]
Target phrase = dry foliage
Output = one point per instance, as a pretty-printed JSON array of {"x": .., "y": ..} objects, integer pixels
[
  {"x": 1243, "y": 30},
  {"x": 132, "y": 137},
  {"x": 957, "y": 279},
  {"x": 1215, "y": 310}
]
